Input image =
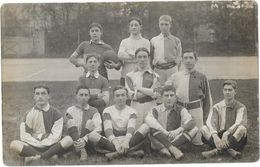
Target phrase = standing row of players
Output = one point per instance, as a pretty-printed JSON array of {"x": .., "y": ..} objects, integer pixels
[{"x": 185, "y": 98}]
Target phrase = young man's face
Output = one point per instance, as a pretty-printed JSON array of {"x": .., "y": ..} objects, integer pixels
[
  {"x": 164, "y": 26},
  {"x": 229, "y": 92},
  {"x": 134, "y": 27},
  {"x": 142, "y": 59},
  {"x": 120, "y": 97},
  {"x": 82, "y": 97},
  {"x": 169, "y": 98},
  {"x": 95, "y": 34},
  {"x": 189, "y": 60},
  {"x": 41, "y": 97},
  {"x": 92, "y": 64}
]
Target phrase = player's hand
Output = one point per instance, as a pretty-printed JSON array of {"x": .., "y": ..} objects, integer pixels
[
  {"x": 224, "y": 140},
  {"x": 110, "y": 64},
  {"x": 125, "y": 143},
  {"x": 118, "y": 146},
  {"x": 131, "y": 53},
  {"x": 173, "y": 134}
]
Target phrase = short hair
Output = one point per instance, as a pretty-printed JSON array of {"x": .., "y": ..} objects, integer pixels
[
  {"x": 42, "y": 86},
  {"x": 189, "y": 50},
  {"x": 166, "y": 18},
  {"x": 136, "y": 19},
  {"x": 89, "y": 55},
  {"x": 142, "y": 49},
  {"x": 119, "y": 87},
  {"x": 82, "y": 87},
  {"x": 167, "y": 88},
  {"x": 94, "y": 24},
  {"x": 231, "y": 82}
]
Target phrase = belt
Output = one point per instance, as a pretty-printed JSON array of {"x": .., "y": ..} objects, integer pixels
[
  {"x": 191, "y": 105},
  {"x": 144, "y": 99},
  {"x": 165, "y": 66}
]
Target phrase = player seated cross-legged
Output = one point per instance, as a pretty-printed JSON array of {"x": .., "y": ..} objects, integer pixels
[
  {"x": 41, "y": 130},
  {"x": 171, "y": 125},
  {"x": 119, "y": 126},
  {"x": 83, "y": 123},
  {"x": 225, "y": 129}
]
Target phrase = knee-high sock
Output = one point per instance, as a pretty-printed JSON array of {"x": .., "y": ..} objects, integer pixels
[
  {"x": 180, "y": 141},
  {"x": 55, "y": 149},
  {"x": 106, "y": 144},
  {"x": 28, "y": 151},
  {"x": 136, "y": 139},
  {"x": 163, "y": 139},
  {"x": 232, "y": 142},
  {"x": 74, "y": 133}
]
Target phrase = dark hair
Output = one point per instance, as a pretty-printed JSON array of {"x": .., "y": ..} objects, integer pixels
[
  {"x": 94, "y": 24},
  {"x": 119, "y": 87},
  {"x": 136, "y": 19},
  {"x": 142, "y": 49},
  {"x": 42, "y": 86},
  {"x": 189, "y": 50},
  {"x": 166, "y": 18},
  {"x": 231, "y": 82},
  {"x": 82, "y": 87},
  {"x": 167, "y": 88},
  {"x": 89, "y": 55}
]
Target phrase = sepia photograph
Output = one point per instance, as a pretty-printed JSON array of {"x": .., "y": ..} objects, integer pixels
[{"x": 129, "y": 83}]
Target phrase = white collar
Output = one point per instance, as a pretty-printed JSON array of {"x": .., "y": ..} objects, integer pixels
[
  {"x": 99, "y": 42},
  {"x": 96, "y": 74},
  {"x": 46, "y": 108}
]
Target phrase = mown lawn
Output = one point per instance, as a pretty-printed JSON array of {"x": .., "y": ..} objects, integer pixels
[{"x": 17, "y": 99}]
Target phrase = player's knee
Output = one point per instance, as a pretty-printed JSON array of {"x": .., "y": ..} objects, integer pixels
[
  {"x": 241, "y": 129},
  {"x": 16, "y": 146},
  {"x": 94, "y": 137},
  {"x": 66, "y": 142},
  {"x": 204, "y": 129},
  {"x": 144, "y": 129}
]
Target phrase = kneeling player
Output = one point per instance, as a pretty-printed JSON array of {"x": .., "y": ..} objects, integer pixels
[
  {"x": 41, "y": 130},
  {"x": 119, "y": 126},
  {"x": 226, "y": 124},
  {"x": 171, "y": 125}
]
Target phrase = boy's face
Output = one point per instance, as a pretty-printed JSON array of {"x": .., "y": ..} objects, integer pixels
[
  {"x": 92, "y": 64},
  {"x": 82, "y": 97},
  {"x": 189, "y": 60},
  {"x": 41, "y": 96},
  {"x": 164, "y": 26},
  {"x": 134, "y": 27},
  {"x": 229, "y": 92},
  {"x": 142, "y": 59},
  {"x": 95, "y": 34},
  {"x": 169, "y": 98},
  {"x": 120, "y": 97}
]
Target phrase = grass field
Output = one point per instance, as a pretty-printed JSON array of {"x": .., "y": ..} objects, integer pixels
[{"x": 17, "y": 99}]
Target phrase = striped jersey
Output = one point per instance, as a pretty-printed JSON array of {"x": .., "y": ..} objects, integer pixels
[
  {"x": 164, "y": 120},
  {"x": 81, "y": 118},
  {"x": 146, "y": 79},
  {"x": 223, "y": 117},
  {"x": 191, "y": 87},
  {"x": 119, "y": 122},
  {"x": 165, "y": 49},
  {"x": 41, "y": 127}
]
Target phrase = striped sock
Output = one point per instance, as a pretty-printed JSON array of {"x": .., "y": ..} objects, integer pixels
[{"x": 180, "y": 141}]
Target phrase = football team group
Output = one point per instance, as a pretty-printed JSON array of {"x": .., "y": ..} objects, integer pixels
[{"x": 161, "y": 104}]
